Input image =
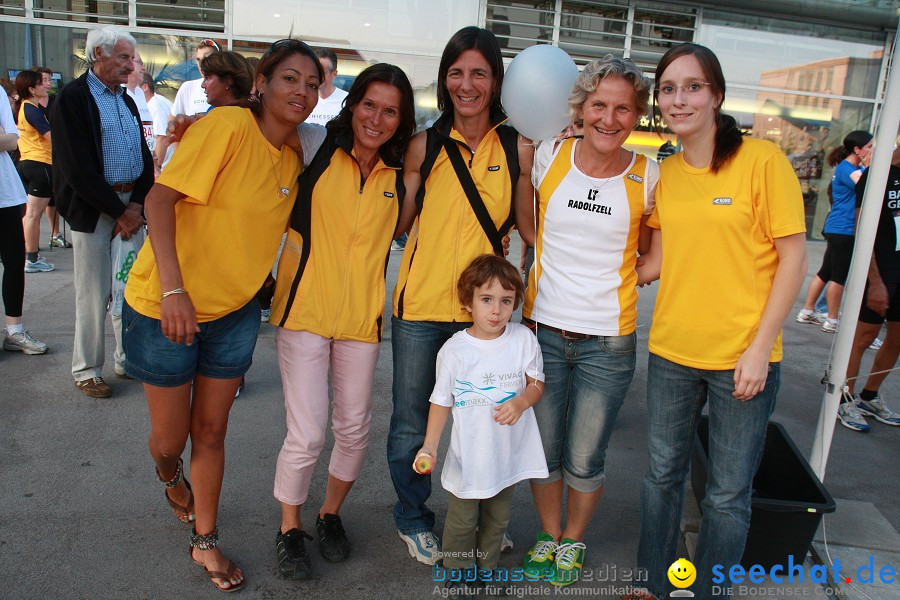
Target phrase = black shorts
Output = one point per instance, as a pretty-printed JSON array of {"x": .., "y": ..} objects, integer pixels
[
  {"x": 36, "y": 177},
  {"x": 836, "y": 262},
  {"x": 867, "y": 315}
]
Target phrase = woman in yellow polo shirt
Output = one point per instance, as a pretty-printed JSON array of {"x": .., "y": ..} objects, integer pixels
[
  {"x": 191, "y": 318},
  {"x": 446, "y": 237},
  {"x": 729, "y": 225},
  {"x": 34, "y": 162},
  {"x": 329, "y": 301}
]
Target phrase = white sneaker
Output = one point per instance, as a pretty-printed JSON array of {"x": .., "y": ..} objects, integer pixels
[
  {"x": 850, "y": 415},
  {"x": 879, "y": 410},
  {"x": 876, "y": 344},
  {"x": 425, "y": 547},
  {"x": 808, "y": 316},
  {"x": 830, "y": 325},
  {"x": 23, "y": 342},
  {"x": 264, "y": 314}
]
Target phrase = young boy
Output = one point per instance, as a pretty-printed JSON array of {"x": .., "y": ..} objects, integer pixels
[{"x": 489, "y": 376}]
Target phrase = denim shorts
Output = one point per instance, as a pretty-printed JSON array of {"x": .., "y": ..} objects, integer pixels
[{"x": 223, "y": 349}]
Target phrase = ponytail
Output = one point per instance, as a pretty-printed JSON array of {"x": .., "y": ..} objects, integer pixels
[
  {"x": 727, "y": 141},
  {"x": 853, "y": 140}
]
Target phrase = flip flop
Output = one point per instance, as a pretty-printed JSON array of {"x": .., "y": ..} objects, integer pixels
[
  {"x": 213, "y": 575},
  {"x": 185, "y": 514}
]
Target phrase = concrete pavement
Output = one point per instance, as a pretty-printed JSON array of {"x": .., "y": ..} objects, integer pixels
[{"x": 82, "y": 515}]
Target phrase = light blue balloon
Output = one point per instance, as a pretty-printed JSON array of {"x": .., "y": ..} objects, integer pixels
[{"x": 536, "y": 90}]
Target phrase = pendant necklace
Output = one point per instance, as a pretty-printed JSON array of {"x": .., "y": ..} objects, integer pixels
[{"x": 283, "y": 191}]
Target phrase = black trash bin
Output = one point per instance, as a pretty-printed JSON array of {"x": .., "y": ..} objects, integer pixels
[{"x": 787, "y": 503}]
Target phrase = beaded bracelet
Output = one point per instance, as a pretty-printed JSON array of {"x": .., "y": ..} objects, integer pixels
[{"x": 173, "y": 292}]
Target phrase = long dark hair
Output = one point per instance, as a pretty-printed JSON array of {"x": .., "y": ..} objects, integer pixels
[
  {"x": 728, "y": 137},
  {"x": 392, "y": 75},
  {"x": 278, "y": 52},
  {"x": 470, "y": 38},
  {"x": 854, "y": 139},
  {"x": 24, "y": 81}
]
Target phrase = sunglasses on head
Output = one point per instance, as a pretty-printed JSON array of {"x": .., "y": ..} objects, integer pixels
[
  {"x": 289, "y": 43},
  {"x": 209, "y": 44}
]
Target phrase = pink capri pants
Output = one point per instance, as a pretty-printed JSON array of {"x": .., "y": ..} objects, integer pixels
[{"x": 304, "y": 359}]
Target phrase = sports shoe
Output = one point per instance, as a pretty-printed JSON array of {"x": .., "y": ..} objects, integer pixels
[
  {"x": 829, "y": 325},
  {"x": 38, "y": 266},
  {"x": 23, "y": 342},
  {"x": 878, "y": 409},
  {"x": 240, "y": 387},
  {"x": 540, "y": 557},
  {"x": 808, "y": 316},
  {"x": 333, "y": 543},
  {"x": 58, "y": 241},
  {"x": 264, "y": 315},
  {"x": 293, "y": 561},
  {"x": 94, "y": 387},
  {"x": 396, "y": 247},
  {"x": 507, "y": 544},
  {"x": 850, "y": 415},
  {"x": 876, "y": 344},
  {"x": 424, "y": 546},
  {"x": 566, "y": 569}
]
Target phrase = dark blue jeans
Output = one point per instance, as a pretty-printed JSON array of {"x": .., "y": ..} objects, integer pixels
[
  {"x": 737, "y": 432},
  {"x": 415, "y": 346}
]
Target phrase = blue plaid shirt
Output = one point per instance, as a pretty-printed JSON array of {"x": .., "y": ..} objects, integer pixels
[{"x": 120, "y": 133}]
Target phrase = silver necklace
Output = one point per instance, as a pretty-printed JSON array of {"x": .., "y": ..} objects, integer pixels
[{"x": 282, "y": 190}]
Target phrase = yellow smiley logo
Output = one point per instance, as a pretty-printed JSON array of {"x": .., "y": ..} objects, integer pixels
[{"x": 682, "y": 573}]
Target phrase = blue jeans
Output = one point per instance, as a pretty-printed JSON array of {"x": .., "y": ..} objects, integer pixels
[
  {"x": 737, "y": 431},
  {"x": 584, "y": 388},
  {"x": 415, "y": 346}
]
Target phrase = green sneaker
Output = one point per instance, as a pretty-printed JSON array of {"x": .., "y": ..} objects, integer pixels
[
  {"x": 540, "y": 557},
  {"x": 566, "y": 568}
]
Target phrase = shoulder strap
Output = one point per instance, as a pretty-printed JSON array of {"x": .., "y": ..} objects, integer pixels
[
  {"x": 477, "y": 204},
  {"x": 301, "y": 216},
  {"x": 509, "y": 140},
  {"x": 432, "y": 149}
]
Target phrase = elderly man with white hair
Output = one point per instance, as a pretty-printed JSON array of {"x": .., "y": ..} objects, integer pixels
[{"x": 102, "y": 169}]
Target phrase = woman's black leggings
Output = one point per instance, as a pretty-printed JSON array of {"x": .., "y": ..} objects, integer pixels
[{"x": 12, "y": 252}]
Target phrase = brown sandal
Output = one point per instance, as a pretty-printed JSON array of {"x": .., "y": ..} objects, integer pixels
[
  {"x": 184, "y": 513},
  {"x": 208, "y": 542}
]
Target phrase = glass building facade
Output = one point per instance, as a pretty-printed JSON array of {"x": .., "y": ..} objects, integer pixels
[{"x": 803, "y": 81}]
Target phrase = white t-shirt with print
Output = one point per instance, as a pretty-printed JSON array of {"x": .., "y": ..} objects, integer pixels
[
  {"x": 190, "y": 99},
  {"x": 327, "y": 108},
  {"x": 475, "y": 376}
]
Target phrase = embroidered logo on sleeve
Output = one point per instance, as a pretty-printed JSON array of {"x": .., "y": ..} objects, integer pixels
[{"x": 721, "y": 201}]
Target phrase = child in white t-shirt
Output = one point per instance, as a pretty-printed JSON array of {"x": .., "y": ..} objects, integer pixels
[{"x": 489, "y": 376}]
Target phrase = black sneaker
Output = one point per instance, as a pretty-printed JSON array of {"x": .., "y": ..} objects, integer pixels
[
  {"x": 293, "y": 561},
  {"x": 333, "y": 542}
]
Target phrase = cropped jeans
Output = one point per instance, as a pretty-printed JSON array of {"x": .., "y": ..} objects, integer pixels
[
  {"x": 415, "y": 345},
  {"x": 584, "y": 388},
  {"x": 676, "y": 395}
]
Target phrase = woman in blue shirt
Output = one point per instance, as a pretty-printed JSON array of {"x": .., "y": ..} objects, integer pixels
[{"x": 848, "y": 160}]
